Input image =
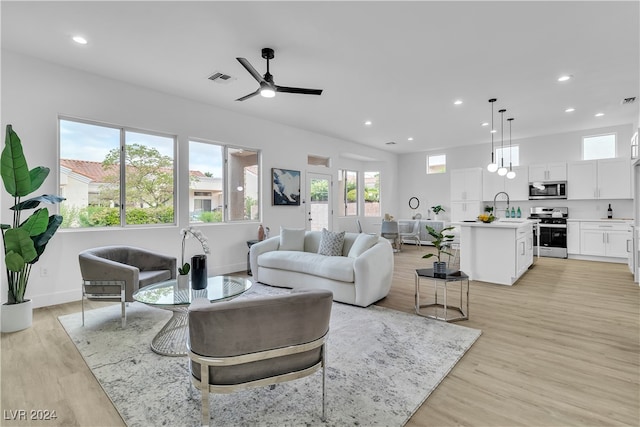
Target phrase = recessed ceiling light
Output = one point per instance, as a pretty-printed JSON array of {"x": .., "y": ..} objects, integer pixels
[
  {"x": 564, "y": 78},
  {"x": 599, "y": 114},
  {"x": 368, "y": 123},
  {"x": 493, "y": 131},
  {"x": 79, "y": 40},
  {"x": 457, "y": 102},
  {"x": 485, "y": 124},
  {"x": 410, "y": 138},
  {"x": 570, "y": 110}
]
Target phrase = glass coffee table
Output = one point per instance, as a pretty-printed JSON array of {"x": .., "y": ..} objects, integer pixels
[{"x": 172, "y": 338}]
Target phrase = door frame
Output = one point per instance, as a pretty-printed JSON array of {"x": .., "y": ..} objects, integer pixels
[{"x": 307, "y": 211}]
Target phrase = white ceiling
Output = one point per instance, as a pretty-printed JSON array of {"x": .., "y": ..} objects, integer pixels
[{"x": 399, "y": 64}]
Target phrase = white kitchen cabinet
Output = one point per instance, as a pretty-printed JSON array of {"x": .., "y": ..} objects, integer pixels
[
  {"x": 465, "y": 211},
  {"x": 556, "y": 171},
  {"x": 517, "y": 188},
  {"x": 524, "y": 250},
  {"x": 573, "y": 237},
  {"x": 602, "y": 239},
  {"x": 599, "y": 179},
  {"x": 466, "y": 184}
]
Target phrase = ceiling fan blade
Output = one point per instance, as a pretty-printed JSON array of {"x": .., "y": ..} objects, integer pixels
[
  {"x": 298, "y": 90},
  {"x": 249, "y": 96},
  {"x": 250, "y": 69}
]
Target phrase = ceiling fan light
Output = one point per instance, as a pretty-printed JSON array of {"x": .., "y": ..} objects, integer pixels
[
  {"x": 267, "y": 92},
  {"x": 502, "y": 171},
  {"x": 492, "y": 167},
  {"x": 511, "y": 174}
]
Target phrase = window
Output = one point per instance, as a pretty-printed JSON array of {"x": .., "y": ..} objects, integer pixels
[
  {"x": 214, "y": 198},
  {"x": 437, "y": 164},
  {"x": 372, "y": 194},
  {"x": 115, "y": 176},
  {"x": 599, "y": 147},
  {"x": 318, "y": 161},
  {"x": 511, "y": 154},
  {"x": 348, "y": 189}
]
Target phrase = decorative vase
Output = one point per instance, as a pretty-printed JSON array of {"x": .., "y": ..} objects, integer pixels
[
  {"x": 439, "y": 267},
  {"x": 199, "y": 272},
  {"x": 183, "y": 281},
  {"x": 16, "y": 317}
]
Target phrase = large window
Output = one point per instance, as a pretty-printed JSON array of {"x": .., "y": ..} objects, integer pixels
[
  {"x": 372, "y": 194},
  {"x": 115, "y": 176},
  {"x": 510, "y": 154},
  {"x": 437, "y": 164},
  {"x": 599, "y": 147},
  {"x": 224, "y": 183},
  {"x": 348, "y": 189}
]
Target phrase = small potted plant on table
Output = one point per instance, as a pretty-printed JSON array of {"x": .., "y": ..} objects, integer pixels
[
  {"x": 441, "y": 240},
  {"x": 436, "y": 211}
]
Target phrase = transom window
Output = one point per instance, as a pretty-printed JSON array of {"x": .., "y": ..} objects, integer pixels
[
  {"x": 599, "y": 147},
  {"x": 437, "y": 163},
  {"x": 511, "y": 155}
]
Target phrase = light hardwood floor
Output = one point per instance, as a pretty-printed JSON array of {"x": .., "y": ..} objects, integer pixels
[{"x": 559, "y": 348}]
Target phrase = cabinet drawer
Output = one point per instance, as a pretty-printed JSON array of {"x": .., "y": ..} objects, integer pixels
[{"x": 603, "y": 226}]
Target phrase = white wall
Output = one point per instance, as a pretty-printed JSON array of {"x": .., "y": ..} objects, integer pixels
[
  {"x": 34, "y": 93},
  {"x": 566, "y": 147}
]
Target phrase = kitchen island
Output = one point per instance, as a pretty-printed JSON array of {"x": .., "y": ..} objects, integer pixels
[{"x": 499, "y": 252}]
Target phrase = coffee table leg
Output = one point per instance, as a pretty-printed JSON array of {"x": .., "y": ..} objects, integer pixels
[{"x": 172, "y": 338}]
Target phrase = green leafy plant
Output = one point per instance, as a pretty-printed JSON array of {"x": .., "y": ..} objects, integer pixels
[
  {"x": 24, "y": 241},
  {"x": 441, "y": 240},
  {"x": 437, "y": 209}
]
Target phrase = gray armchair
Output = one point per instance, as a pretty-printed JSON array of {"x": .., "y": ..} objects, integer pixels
[
  {"x": 114, "y": 273},
  {"x": 253, "y": 342}
]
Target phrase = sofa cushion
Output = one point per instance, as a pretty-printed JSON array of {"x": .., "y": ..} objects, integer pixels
[
  {"x": 362, "y": 243},
  {"x": 331, "y": 243},
  {"x": 291, "y": 239},
  {"x": 336, "y": 268}
]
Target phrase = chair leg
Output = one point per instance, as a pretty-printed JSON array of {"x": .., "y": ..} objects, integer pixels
[
  {"x": 83, "y": 295},
  {"x": 124, "y": 313},
  {"x": 204, "y": 392},
  {"x": 324, "y": 380}
]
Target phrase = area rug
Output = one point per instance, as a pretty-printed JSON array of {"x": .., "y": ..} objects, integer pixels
[{"x": 382, "y": 365}]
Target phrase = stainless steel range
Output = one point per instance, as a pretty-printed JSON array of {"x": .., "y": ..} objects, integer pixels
[{"x": 550, "y": 236}]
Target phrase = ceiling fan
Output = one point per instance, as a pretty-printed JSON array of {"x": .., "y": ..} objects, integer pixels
[{"x": 267, "y": 87}]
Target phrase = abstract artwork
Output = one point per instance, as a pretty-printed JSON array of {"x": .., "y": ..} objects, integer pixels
[{"x": 286, "y": 187}]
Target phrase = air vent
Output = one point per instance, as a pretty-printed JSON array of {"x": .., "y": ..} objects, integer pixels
[
  {"x": 221, "y": 78},
  {"x": 390, "y": 143},
  {"x": 628, "y": 100}
]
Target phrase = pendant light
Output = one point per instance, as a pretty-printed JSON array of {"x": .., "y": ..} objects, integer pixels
[
  {"x": 502, "y": 171},
  {"x": 493, "y": 166},
  {"x": 511, "y": 174}
]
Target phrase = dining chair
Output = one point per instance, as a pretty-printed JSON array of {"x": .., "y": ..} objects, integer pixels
[{"x": 389, "y": 230}]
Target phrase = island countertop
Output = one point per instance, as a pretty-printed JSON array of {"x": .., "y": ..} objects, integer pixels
[{"x": 501, "y": 223}]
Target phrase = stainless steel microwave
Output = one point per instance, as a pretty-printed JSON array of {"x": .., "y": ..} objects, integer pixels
[{"x": 547, "y": 190}]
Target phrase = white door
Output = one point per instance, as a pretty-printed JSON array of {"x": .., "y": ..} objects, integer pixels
[{"x": 319, "y": 209}]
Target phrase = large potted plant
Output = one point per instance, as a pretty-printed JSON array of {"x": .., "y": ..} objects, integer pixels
[
  {"x": 24, "y": 240},
  {"x": 441, "y": 240}
]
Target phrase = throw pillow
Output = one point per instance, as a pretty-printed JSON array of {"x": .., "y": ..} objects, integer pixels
[
  {"x": 331, "y": 243},
  {"x": 361, "y": 244},
  {"x": 291, "y": 239}
]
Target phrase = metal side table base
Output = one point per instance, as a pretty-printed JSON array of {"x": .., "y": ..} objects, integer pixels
[
  {"x": 172, "y": 338},
  {"x": 447, "y": 310}
]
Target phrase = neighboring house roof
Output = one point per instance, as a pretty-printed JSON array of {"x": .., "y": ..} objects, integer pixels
[{"x": 96, "y": 172}]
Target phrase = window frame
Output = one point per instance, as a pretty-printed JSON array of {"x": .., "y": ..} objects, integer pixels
[
  {"x": 508, "y": 150},
  {"x": 429, "y": 156},
  {"x": 344, "y": 202},
  {"x": 122, "y": 199},
  {"x": 364, "y": 183}
]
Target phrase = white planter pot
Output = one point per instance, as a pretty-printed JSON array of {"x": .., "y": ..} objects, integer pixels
[
  {"x": 183, "y": 281},
  {"x": 16, "y": 317}
]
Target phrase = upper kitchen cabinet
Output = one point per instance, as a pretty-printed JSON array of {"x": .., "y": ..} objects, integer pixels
[
  {"x": 517, "y": 188},
  {"x": 466, "y": 184},
  {"x": 599, "y": 179},
  {"x": 548, "y": 172}
]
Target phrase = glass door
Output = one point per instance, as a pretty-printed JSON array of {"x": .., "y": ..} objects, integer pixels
[{"x": 319, "y": 210}]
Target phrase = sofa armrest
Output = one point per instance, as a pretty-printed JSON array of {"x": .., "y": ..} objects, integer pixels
[
  {"x": 268, "y": 245},
  {"x": 373, "y": 271}
]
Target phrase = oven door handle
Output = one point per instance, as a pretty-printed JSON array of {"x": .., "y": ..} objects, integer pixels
[{"x": 552, "y": 225}]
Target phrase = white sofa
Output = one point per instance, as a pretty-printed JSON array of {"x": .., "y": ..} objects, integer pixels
[{"x": 360, "y": 277}]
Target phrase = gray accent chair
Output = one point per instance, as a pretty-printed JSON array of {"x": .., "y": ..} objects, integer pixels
[
  {"x": 254, "y": 342},
  {"x": 114, "y": 273}
]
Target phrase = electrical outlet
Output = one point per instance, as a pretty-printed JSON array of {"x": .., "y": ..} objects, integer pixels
[{"x": 44, "y": 272}]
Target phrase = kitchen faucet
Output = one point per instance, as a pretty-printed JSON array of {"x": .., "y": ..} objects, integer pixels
[{"x": 495, "y": 212}]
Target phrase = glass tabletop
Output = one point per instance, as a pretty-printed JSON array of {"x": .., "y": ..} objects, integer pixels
[
  {"x": 450, "y": 275},
  {"x": 169, "y": 294}
]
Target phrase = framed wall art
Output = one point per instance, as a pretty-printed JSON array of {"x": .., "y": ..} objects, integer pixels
[{"x": 286, "y": 187}]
